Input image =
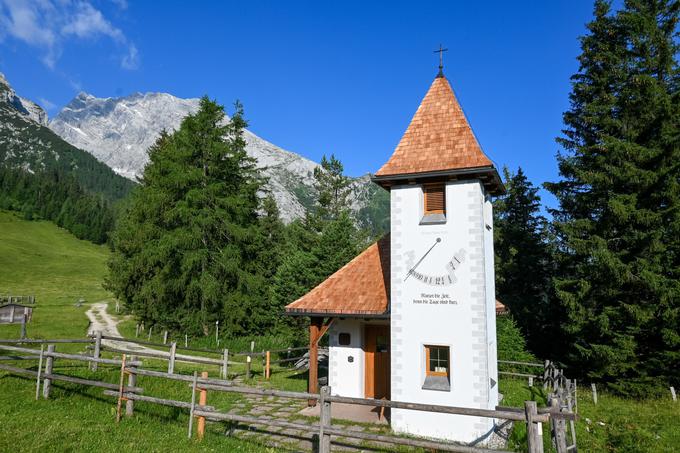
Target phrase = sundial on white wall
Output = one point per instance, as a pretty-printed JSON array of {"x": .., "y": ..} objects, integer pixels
[{"x": 436, "y": 266}]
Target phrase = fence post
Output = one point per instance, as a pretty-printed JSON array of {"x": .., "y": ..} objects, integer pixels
[
  {"x": 171, "y": 361},
  {"x": 49, "y": 363},
  {"x": 193, "y": 404},
  {"x": 37, "y": 384},
  {"x": 121, "y": 388},
  {"x": 546, "y": 373},
  {"x": 249, "y": 359},
  {"x": 202, "y": 400},
  {"x": 24, "y": 319},
  {"x": 267, "y": 370},
  {"x": 225, "y": 364},
  {"x": 132, "y": 382},
  {"x": 137, "y": 331},
  {"x": 534, "y": 431},
  {"x": 186, "y": 341},
  {"x": 558, "y": 427},
  {"x": 531, "y": 381},
  {"x": 149, "y": 337},
  {"x": 673, "y": 395},
  {"x": 592, "y": 386},
  {"x": 97, "y": 349},
  {"x": 165, "y": 337},
  {"x": 324, "y": 420},
  {"x": 575, "y": 396},
  {"x": 570, "y": 407}
]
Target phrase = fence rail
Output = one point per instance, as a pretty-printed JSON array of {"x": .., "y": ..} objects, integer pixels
[
  {"x": 98, "y": 339},
  {"x": 556, "y": 414},
  {"x": 17, "y": 299}
]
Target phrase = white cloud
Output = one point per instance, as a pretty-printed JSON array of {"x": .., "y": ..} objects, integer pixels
[
  {"x": 122, "y": 4},
  {"x": 46, "y": 104},
  {"x": 49, "y": 24},
  {"x": 131, "y": 60}
]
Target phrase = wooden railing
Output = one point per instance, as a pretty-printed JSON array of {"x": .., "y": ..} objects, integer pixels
[
  {"x": 173, "y": 354},
  {"x": 557, "y": 414}
]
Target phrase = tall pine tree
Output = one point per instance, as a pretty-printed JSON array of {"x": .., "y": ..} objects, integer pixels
[
  {"x": 185, "y": 253},
  {"x": 523, "y": 261},
  {"x": 318, "y": 245},
  {"x": 618, "y": 222}
]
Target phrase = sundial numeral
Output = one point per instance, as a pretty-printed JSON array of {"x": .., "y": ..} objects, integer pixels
[{"x": 449, "y": 278}]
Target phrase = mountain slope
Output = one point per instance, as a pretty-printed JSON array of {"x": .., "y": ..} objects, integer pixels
[
  {"x": 118, "y": 132},
  {"x": 27, "y": 144},
  {"x": 42, "y": 176}
]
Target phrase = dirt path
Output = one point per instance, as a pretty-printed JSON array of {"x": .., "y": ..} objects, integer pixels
[{"x": 101, "y": 320}]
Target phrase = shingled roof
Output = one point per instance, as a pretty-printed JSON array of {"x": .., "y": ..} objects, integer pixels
[
  {"x": 438, "y": 139},
  {"x": 361, "y": 287}
]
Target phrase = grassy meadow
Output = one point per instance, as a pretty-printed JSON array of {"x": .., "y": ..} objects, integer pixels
[{"x": 37, "y": 258}]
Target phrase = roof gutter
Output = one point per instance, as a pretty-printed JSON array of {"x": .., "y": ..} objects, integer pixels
[
  {"x": 474, "y": 171},
  {"x": 338, "y": 314}
]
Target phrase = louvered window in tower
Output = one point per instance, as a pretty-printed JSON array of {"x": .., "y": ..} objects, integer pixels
[{"x": 435, "y": 199}]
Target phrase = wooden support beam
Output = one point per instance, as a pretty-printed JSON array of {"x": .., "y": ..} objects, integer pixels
[
  {"x": 315, "y": 325},
  {"x": 324, "y": 328},
  {"x": 317, "y": 329}
]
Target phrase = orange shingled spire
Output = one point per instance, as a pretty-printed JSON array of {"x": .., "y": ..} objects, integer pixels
[{"x": 439, "y": 138}]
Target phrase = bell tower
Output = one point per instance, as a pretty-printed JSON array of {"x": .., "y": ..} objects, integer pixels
[{"x": 442, "y": 294}]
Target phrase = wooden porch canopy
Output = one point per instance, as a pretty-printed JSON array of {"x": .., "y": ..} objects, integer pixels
[{"x": 359, "y": 289}]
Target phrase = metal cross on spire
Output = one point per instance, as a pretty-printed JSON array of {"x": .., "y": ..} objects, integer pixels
[{"x": 441, "y": 51}]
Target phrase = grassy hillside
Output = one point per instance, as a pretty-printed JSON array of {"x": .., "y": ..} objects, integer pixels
[{"x": 38, "y": 258}]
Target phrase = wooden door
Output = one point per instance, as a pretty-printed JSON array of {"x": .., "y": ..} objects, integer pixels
[{"x": 377, "y": 363}]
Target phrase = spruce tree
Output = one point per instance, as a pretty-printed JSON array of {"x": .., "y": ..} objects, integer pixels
[
  {"x": 618, "y": 219},
  {"x": 321, "y": 243},
  {"x": 523, "y": 264},
  {"x": 332, "y": 187},
  {"x": 185, "y": 252}
]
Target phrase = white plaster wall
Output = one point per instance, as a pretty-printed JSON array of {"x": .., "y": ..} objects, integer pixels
[
  {"x": 346, "y": 378},
  {"x": 490, "y": 288},
  {"x": 463, "y": 326}
]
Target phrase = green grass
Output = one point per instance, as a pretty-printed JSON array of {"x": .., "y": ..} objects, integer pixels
[
  {"x": 614, "y": 424},
  {"x": 37, "y": 258}
]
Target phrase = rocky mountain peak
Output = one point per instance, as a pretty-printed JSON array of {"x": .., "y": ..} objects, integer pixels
[
  {"x": 24, "y": 107},
  {"x": 119, "y": 131}
]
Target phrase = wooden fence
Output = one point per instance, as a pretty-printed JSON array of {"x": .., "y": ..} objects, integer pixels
[
  {"x": 9, "y": 299},
  {"x": 129, "y": 392},
  {"x": 174, "y": 355}
]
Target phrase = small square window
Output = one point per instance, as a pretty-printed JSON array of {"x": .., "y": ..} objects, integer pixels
[
  {"x": 344, "y": 339},
  {"x": 438, "y": 361},
  {"x": 434, "y": 197}
]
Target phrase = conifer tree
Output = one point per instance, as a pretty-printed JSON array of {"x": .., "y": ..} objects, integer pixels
[
  {"x": 618, "y": 219},
  {"x": 321, "y": 243},
  {"x": 523, "y": 264},
  {"x": 185, "y": 253},
  {"x": 332, "y": 187}
]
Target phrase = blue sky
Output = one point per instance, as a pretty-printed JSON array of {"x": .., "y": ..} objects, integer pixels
[{"x": 315, "y": 77}]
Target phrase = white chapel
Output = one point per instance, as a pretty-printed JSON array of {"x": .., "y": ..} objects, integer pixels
[{"x": 413, "y": 317}]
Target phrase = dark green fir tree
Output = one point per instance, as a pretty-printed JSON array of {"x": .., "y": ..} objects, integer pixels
[
  {"x": 186, "y": 252},
  {"x": 523, "y": 261},
  {"x": 618, "y": 222},
  {"x": 321, "y": 243},
  {"x": 332, "y": 186}
]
